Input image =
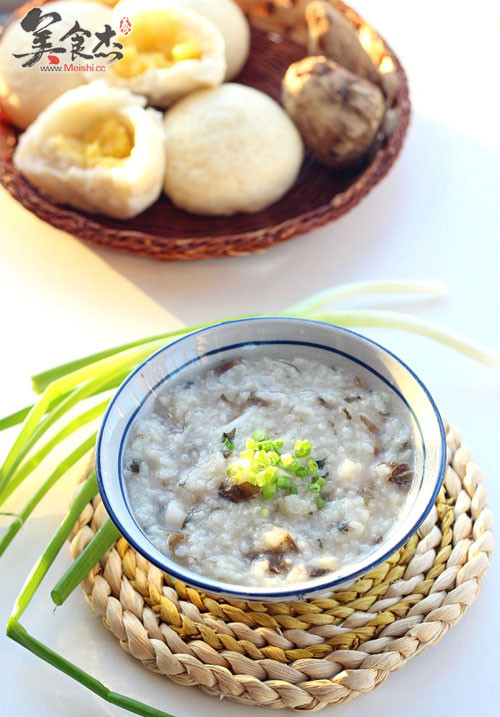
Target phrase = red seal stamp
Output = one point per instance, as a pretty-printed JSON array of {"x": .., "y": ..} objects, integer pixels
[{"x": 125, "y": 26}]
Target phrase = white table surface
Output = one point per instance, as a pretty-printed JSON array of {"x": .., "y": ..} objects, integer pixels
[{"x": 435, "y": 217}]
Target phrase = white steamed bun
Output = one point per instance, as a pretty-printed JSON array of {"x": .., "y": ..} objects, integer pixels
[
  {"x": 25, "y": 91},
  {"x": 170, "y": 51},
  {"x": 232, "y": 23},
  {"x": 230, "y": 149},
  {"x": 98, "y": 149}
]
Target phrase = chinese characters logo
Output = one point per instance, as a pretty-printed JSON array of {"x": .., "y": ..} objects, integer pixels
[{"x": 77, "y": 42}]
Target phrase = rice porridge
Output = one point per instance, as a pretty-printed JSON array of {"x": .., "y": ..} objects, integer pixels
[{"x": 264, "y": 471}]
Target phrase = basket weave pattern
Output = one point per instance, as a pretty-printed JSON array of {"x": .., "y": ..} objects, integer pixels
[
  {"x": 310, "y": 654},
  {"x": 319, "y": 195}
]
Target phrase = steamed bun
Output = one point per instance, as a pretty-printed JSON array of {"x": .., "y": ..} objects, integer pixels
[
  {"x": 170, "y": 51},
  {"x": 25, "y": 91},
  {"x": 98, "y": 149},
  {"x": 230, "y": 149},
  {"x": 232, "y": 23}
]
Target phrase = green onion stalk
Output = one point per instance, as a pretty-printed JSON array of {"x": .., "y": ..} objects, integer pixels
[
  {"x": 72, "y": 384},
  {"x": 17, "y": 632}
]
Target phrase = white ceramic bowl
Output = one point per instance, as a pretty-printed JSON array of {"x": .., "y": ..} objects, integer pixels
[{"x": 284, "y": 337}]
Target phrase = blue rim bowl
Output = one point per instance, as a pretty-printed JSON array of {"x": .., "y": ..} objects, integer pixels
[{"x": 283, "y": 337}]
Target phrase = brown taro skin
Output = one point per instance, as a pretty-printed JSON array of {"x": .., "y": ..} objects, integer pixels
[
  {"x": 338, "y": 113},
  {"x": 333, "y": 35}
]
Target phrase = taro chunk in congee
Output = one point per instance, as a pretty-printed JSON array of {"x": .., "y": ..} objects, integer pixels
[{"x": 264, "y": 471}]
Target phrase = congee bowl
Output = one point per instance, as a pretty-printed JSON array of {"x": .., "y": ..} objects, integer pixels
[{"x": 283, "y": 338}]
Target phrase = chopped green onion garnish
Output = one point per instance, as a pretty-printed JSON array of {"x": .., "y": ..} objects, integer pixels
[
  {"x": 288, "y": 462},
  {"x": 313, "y": 467},
  {"x": 260, "y": 479},
  {"x": 284, "y": 481},
  {"x": 302, "y": 449},
  {"x": 259, "y": 435},
  {"x": 271, "y": 474},
  {"x": 262, "y": 465},
  {"x": 301, "y": 472},
  {"x": 274, "y": 458},
  {"x": 261, "y": 459},
  {"x": 320, "y": 503},
  {"x": 268, "y": 490},
  {"x": 264, "y": 512}
]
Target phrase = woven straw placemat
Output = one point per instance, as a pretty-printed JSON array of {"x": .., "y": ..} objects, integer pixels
[{"x": 310, "y": 654}]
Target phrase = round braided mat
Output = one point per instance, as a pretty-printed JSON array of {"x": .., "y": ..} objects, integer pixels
[{"x": 310, "y": 654}]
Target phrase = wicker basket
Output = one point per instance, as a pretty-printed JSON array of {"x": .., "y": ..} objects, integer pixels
[{"x": 319, "y": 195}]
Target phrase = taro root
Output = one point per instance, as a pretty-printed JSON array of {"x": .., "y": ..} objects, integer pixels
[
  {"x": 332, "y": 35},
  {"x": 338, "y": 113}
]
